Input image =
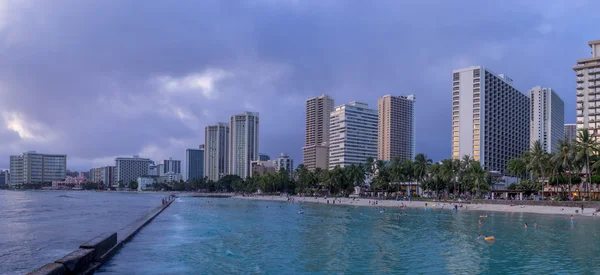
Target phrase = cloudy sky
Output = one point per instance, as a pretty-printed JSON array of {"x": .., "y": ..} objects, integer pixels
[{"x": 107, "y": 78}]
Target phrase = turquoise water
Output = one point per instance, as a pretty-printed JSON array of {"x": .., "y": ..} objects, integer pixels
[
  {"x": 39, "y": 227},
  {"x": 230, "y": 236}
]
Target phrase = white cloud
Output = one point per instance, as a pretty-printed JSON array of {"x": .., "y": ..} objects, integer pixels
[
  {"x": 27, "y": 130},
  {"x": 203, "y": 82}
]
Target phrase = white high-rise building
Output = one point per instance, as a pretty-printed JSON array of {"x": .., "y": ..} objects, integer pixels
[
  {"x": 216, "y": 151},
  {"x": 588, "y": 90},
  {"x": 353, "y": 134},
  {"x": 396, "y": 127},
  {"x": 37, "y": 168},
  {"x": 171, "y": 165},
  {"x": 129, "y": 169},
  {"x": 284, "y": 162},
  {"x": 490, "y": 118},
  {"x": 547, "y": 118},
  {"x": 243, "y": 143},
  {"x": 570, "y": 132},
  {"x": 315, "y": 153}
]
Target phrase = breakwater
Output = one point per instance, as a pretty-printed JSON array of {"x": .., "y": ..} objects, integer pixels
[{"x": 93, "y": 253}]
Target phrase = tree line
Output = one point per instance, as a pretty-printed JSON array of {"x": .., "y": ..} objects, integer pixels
[{"x": 560, "y": 170}]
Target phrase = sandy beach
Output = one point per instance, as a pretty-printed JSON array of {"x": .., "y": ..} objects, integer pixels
[{"x": 554, "y": 210}]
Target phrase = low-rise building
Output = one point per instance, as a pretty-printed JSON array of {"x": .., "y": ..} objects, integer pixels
[
  {"x": 259, "y": 167},
  {"x": 284, "y": 162},
  {"x": 145, "y": 182}
]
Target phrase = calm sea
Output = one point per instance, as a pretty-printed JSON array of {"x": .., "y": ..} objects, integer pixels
[
  {"x": 38, "y": 227},
  {"x": 229, "y": 236}
]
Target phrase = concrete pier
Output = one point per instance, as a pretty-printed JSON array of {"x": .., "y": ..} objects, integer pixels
[{"x": 93, "y": 253}]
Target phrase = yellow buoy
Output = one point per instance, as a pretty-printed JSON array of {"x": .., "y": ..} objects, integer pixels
[{"x": 489, "y": 238}]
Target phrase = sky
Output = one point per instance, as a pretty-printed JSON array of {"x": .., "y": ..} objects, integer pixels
[{"x": 98, "y": 79}]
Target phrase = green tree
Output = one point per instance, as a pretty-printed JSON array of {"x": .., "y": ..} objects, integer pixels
[
  {"x": 422, "y": 164},
  {"x": 586, "y": 147},
  {"x": 477, "y": 176}
]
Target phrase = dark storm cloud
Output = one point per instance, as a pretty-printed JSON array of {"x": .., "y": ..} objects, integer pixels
[{"x": 97, "y": 79}]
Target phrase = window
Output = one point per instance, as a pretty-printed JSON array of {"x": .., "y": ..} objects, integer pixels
[
  {"x": 476, "y": 131},
  {"x": 476, "y": 152},
  {"x": 475, "y": 147},
  {"x": 455, "y": 134},
  {"x": 455, "y": 138},
  {"x": 455, "y": 154},
  {"x": 455, "y": 143},
  {"x": 455, "y": 148},
  {"x": 455, "y": 113},
  {"x": 476, "y": 121},
  {"x": 455, "y": 128},
  {"x": 476, "y": 136}
]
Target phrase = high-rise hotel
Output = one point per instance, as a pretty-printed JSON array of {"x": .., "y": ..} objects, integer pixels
[
  {"x": 243, "y": 143},
  {"x": 396, "y": 127},
  {"x": 315, "y": 153},
  {"x": 588, "y": 90},
  {"x": 216, "y": 151},
  {"x": 490, "y": 118},
  {"x": 547, "y": 118},
  {"x": 353, "y": 134}
]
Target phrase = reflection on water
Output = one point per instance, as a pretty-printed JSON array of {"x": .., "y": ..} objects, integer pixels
[
  {"x": 38, "y": 227},
  {"x": 238, "y": 236}
]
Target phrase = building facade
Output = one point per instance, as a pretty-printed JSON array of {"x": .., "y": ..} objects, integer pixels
[
  {"x": 570, "y": 132},
  {"x": 396, "y": 127},
  {"x": 284, "y": 162},
  {"x": 315, "y": 153},
  {"x": 16, "y": 170},
  {"x": 129, "y": 169},
  {"x": 353, "y": 134},
  {"x": 490, "y": 118},
  {"x": 260, "y": 167},
  {"x": 547, "y": 118},
  {"x": 243, "y": 143},
  {"x": 263, "y": 157},
  {"x": 37, "y": 168},
  {"x": 216, "y": 151},
  {"x": 171, "y": 165},
  {"x": 4, "y": 177},
  {"x": 194, "y": 163},
  {"x": 587, "y": 71}
]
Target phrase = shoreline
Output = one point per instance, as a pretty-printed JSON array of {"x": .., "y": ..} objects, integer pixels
[{"x": 531, "y": 209}]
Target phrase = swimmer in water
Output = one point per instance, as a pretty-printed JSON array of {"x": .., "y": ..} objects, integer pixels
[
  {"x": 480, "y": 223},
  {"x": 526, "y": 226},
  {"x": 535, "y": 224},
  {"x": 479, "y": 237},
  {"x": 572, "y": 218}
]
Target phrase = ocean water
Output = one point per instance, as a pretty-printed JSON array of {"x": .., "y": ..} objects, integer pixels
[
  {"x": 231, "y": 236},
  {"x": 39, "y": 227}
]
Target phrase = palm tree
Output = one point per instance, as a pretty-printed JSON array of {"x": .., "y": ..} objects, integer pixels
[
  {"x": 564, "y": 157},
  {"x": 408, "y": 171},
  {"x": 586, "y": 147},
  {"x": 517, "y": 167},
  {"x": 396, "y": 173},
  {"x": 477, "y": 175},
  {"x": 447, "y": 173},
  {"x": 421, "y": 166},
  {"x": 537, "y": 159}
]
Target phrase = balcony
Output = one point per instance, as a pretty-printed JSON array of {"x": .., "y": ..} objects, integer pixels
[
  {"x": 579, "y": 93},
  {"x": 579, "y": 107},
  {"x": 580, "y": 73},
  {"x": 579, "y": 122},
  {"x": 580, "y": 80},
  {"x": 579, "y": 86},
  {"x": 579, "y": 100}
]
